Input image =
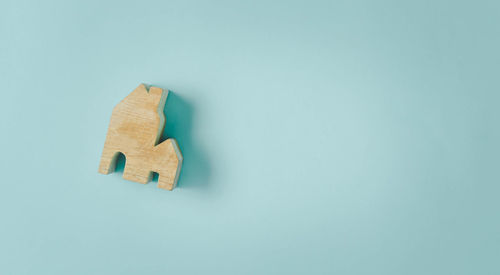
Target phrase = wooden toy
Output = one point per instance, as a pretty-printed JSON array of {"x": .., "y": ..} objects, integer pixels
[{"x": 134, "y": 130}]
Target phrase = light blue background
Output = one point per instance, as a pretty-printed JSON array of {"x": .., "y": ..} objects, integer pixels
[{"x": 334, "y": 137}]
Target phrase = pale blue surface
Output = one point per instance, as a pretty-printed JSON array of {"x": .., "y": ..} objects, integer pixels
[{"x": 335, "y": 137}]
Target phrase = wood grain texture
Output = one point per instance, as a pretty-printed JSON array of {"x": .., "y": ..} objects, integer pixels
[{"x": 134, "y": 130}]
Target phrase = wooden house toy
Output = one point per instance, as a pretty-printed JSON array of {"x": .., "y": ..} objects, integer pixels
[{"x": 134, "y": 130}]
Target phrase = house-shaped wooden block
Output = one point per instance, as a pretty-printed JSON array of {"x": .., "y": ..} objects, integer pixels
[{"x": 134, "y": 130}]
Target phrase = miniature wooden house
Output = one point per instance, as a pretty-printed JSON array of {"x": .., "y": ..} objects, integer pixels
[{"x": 134, "y": 130}]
